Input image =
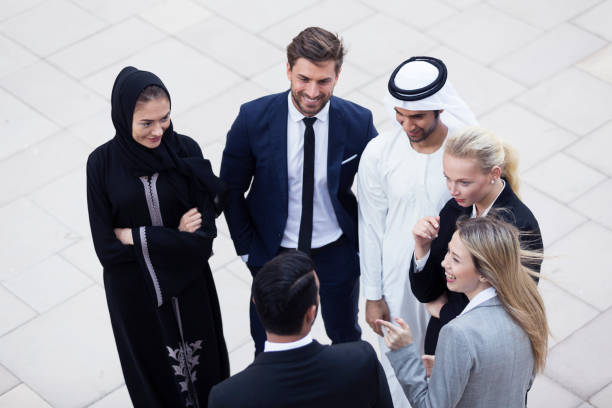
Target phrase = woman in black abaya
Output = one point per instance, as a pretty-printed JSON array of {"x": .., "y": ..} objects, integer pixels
[{"x": 152, "y": 202}]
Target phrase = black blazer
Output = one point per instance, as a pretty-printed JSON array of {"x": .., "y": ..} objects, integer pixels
[
  {"x": 342, "y": 375},
  {"x": 430, "y": 283},
  {"x": 255, "y": 159}
]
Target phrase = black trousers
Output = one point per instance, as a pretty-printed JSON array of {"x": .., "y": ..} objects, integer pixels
[{"x": 337, "y": 267}]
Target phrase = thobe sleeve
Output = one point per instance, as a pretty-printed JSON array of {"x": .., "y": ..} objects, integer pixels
[
  {"x": 449, "y": 377},
  {"x": 109, "y": 249},
  {"x": 373, "y": 210}
]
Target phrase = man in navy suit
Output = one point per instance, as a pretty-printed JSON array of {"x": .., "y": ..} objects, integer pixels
[
  {"x": 298, "y": 152},
  {"x": 294, "y": 370}
]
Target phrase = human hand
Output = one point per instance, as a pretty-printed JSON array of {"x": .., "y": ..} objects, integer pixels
[
  {"x": 376, "y": 310},
  {"x": 433, "y": 308},
  {"x": 124, "y": 235},
  {"x": 425, "y": 230},
  {"x": 190, "y": 221},
  {"x": 428, "y": 361},
  {"x": 396, "y": 337}
]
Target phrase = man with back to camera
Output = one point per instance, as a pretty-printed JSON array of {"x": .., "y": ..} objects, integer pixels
[
  {"x": 298, "y": 152},
  {"x": 294, "y": 370},
  {"x": 401, "y": 180}
]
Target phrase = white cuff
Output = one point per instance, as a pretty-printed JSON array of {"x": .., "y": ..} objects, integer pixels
[
  {"x": 372, "y": 292},
  {"x": 419, "y": 264},
  {"x": 245, "y": 258}
]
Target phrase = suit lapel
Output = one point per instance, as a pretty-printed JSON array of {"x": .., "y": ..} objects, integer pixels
[
  {"x": 278, "y": 145},
  {"x": 335, "y": 148}
]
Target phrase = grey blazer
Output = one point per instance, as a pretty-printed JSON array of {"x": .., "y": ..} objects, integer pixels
[{"x": 483, "y": 359}]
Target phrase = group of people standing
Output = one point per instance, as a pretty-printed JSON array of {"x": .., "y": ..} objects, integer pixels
[{"x": 439, "y": 236}]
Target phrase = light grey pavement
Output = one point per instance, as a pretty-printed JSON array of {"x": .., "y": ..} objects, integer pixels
[{"x": 537, "y": 72}]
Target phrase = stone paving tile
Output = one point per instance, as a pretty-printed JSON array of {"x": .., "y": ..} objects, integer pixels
[
  {"x": 543, "y": 13},
  {"x": 106, "y": 47},
  {"x": 582, "y": 362},
  {"x": 379, "y": 113},
  {"x": 599, "y": 64},
  {"x": 267, "y": 12},
  {"x": 11, "y": 8},
  {"x": 463, "y": 4},
  {"x": 173, "y": 16},
  {"x": 220, "y": 40},
  {"x": 541, "y": 391},
  {"x": 211, "y": 120},
  {"x": 68, "y": 25},
  {"x": 549, "y": 54},
  {"x": 234, "y": 297},
  {"x": 19, "y": 311},
  {"x": 116, "y": 10},
  {"x": 83, "y": 256},
  {"x": 596, "y": 204},
  {"x": 194, "y": 80},
  {"x": 491, "y": 89},
  {"x": 119, "y": 398},
  {"x": 556, "y": 220},
  {"x": 482, "y": 33},
  {"x": 569, "y": 264},
  {"x": 76, "y": 341},
  {"x": 39, "y": 164},
  {"x": 534, "y": 138},
  {"x": 593, "y": 149},
  {"x": 20, "y": 125},
  {"x": 20, "y": 247},
  {"x": 48, "y": 283},
  {"x": 572, "y": 94},
  {"x": 23, "y": 397},
  {"x": 401, "y": 42},
  {"x": 66, "y": 199},
  {"x": 223, "y": 252},
  {"x": 603, "y": 398},
  {"x": 563, "y": 177},
  {"x": 60, "y": 98},
  {"x": 597, "y": 20},
  {"x": 418, "y": 14},
  {"x": 7, "y": 380},
  {"x": 334, "y": 15},
  {"x": 13, "y": 56},
  {"x": 95, "y": 129}
]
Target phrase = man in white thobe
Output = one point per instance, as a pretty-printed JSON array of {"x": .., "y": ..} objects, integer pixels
[{"x": 400, "y": 180}]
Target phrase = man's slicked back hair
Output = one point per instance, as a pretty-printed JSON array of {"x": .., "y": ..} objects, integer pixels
[
  {"x": 317, "y": 45},
  {"x": 283, "y": 291}
]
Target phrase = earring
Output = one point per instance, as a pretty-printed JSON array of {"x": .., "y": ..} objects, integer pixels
[{"x": 492, "y": 181}]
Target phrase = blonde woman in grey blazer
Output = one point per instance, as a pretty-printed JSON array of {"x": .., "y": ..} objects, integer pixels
[{"x": 488, "y": 355}]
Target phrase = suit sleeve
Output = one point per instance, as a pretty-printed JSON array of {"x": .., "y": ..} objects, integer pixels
[
  {"x": 449, "y": 377},
  {"x": 373, "y": 210},
  {"x": 384, "y": 399},
  {"x": 109, "y": 249},
  {"x": 237, "y": 170}
]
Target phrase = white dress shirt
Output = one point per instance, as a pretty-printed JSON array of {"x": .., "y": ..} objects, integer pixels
[
  {"x": 481, "y": 297},
  {"x": 325, "y": 227},
  {"x": 304, "y": 341}
]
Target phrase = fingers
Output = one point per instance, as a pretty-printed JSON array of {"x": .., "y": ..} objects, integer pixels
[
  {"x": 401, "y": 323},
  {"x": 390, "y": 326},
  {"x": 427, "y": 228},
  {"x": 191, "y": 211}
]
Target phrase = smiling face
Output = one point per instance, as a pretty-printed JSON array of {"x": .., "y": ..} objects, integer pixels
[
  {"x": 461, "y": 274},
  {"x": 465, "y": 180},
  {"x": 150, "y": 121},
  {"x": 312, "y": 85},
  {"x": 418, "y": 125}
]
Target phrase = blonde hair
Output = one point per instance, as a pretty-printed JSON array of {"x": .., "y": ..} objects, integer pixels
[
  {"x": 488, "y": 150},
  {"x": 495, "y": 249}
]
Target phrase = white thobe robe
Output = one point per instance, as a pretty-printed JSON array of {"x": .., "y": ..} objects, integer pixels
[{"x": 396, "y": 187}]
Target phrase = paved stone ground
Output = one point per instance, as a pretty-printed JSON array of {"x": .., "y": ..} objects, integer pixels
[{"x": 537, "y": 72}]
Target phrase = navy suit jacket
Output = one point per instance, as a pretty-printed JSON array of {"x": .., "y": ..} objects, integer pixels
[
  {"x": 255, "y": 156},
  {"x": 342, "y": 375}
]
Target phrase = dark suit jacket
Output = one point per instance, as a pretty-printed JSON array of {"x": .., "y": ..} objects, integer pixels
[
  {"x": 256, "y": 150},
  {"x": 430, "y": 283},
  {"x": 342, "y": 375}
]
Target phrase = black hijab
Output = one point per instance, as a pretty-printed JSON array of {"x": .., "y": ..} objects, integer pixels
[{"x": 204, "y": 186}]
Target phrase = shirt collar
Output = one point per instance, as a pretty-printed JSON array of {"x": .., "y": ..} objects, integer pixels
[
  {"x": 270, "y": 346},
  {"x": 485, "y": 212},
  {"x": 480, "y": 298},
  {"x": 297, "y": 116}
]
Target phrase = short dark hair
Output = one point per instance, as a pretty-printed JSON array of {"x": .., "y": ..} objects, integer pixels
[
  {"x": 283, "y": 291},
  {"x": 316, "y": 45}
]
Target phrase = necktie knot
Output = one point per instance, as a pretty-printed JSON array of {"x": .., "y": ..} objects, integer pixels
[{"x": 309, "y": 121}]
